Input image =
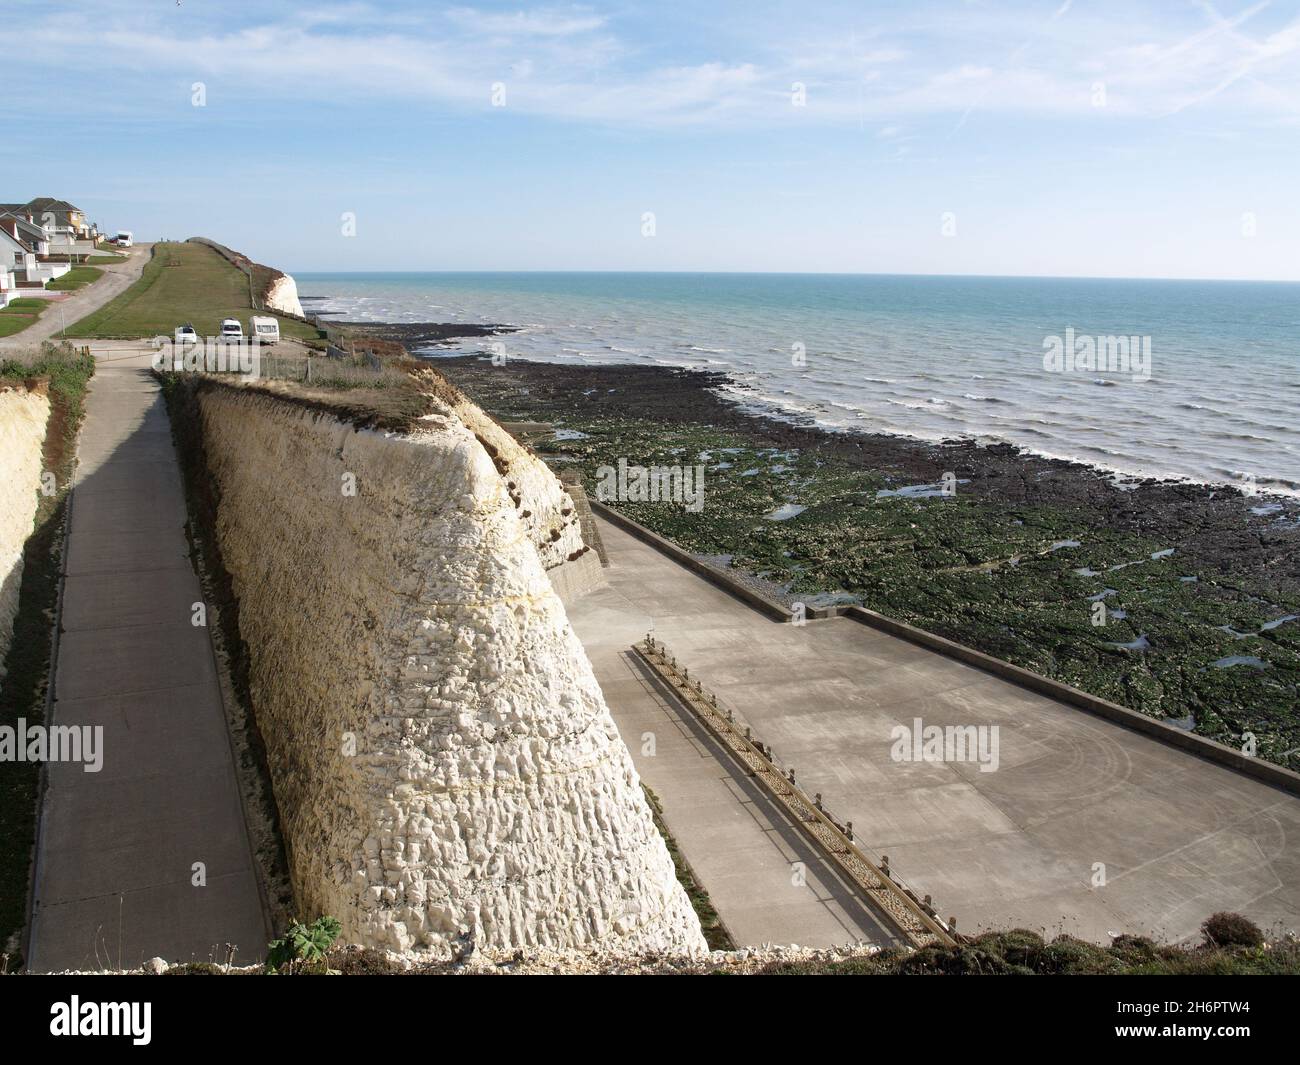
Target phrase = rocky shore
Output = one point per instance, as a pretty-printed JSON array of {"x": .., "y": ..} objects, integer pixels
[
  {"x": 415, "y": 335},
  {"x": 1199, "y": 585}
]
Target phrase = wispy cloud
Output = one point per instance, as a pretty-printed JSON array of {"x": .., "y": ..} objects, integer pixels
[
  {"x": 541, "y": 22},
  {"x": 587, "y": 64}
]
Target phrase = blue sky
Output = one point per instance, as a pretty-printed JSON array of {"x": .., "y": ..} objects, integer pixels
[{"x": 1061, "y": 138}]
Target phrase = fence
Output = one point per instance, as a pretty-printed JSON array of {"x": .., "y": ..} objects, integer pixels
[
  {"x": 915, "y": 919},
  {"x": 329, "y": 371}
]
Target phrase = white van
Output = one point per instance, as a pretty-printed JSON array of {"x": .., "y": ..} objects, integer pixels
[
  {"x": 231, "y": 330},
  {"x": 124, "y": 239},
  {"x": 265, "y": 329}
]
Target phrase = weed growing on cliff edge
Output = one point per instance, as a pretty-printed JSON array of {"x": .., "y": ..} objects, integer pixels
[
  {"x": 1231, "y": 930},
  {"x": 302, "y": 949}
]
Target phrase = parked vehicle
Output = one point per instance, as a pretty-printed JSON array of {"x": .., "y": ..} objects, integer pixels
[
  {"x": 231, "y": 330},
  {"x": 124, "y": 239},
  {"x": 186, "y": 334},
  {"x": 264, "y": 328}
]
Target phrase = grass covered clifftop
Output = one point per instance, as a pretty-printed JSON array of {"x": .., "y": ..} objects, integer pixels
[{"x": 187, "y": 282}]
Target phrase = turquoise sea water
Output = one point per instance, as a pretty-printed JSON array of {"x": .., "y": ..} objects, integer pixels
[{"x": 931, "y": 357}]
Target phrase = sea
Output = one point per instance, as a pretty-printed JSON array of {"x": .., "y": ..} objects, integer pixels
[{"x": 1192, "y": 380}]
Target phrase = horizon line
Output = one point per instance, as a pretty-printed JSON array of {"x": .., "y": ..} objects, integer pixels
[{"x": 823, "y": 273}]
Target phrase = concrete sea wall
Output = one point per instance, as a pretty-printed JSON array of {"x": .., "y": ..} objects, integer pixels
[
  {"x": 443, "y": 761},
  {"x": 24, "y": 413}
]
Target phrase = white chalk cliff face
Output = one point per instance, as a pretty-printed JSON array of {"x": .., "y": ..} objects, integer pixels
[
  {"x": 23, "y": 417},
  {"x": 544, "y": 507},
  {"x": 442, "y": 757},
  {"x": 282, "y": 295}
]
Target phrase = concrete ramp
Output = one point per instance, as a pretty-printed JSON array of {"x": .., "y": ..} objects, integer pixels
[{"x": 1084, "y": 827}]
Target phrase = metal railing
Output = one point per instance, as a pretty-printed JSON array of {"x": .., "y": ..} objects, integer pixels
[{"x": 915, "y": 919}]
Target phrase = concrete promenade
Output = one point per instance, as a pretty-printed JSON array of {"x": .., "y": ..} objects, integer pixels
[
  {"x": 1085, "y": 827},
  {"x": 116, "y": 863}
]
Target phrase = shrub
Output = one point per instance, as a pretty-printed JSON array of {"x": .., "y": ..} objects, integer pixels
[
  {"x": 195, "y": 968},
  {"x": 361, "y": 961},
  {"x": 1225, "y": 929}
]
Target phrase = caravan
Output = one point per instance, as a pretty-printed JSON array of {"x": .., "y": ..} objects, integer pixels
[{"x": 265, "y": 329}]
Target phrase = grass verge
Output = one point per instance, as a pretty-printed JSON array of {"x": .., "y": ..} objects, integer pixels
[
  {"x": 77, "y": 277},
  {"x": 21, "y": 313},
  {"x": 27, "y": 665}
]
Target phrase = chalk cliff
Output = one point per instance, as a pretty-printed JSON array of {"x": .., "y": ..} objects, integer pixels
[
  {"x": 282, "y": 295},
  {"x": 23, "y": 416},
  {"x": 545, "y": 508},
  {"x": 442, "y": 758}
]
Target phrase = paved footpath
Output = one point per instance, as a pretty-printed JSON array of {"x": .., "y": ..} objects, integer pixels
[
  {"x": 1085, "y": 827},
  {"x": 118, "y": 848}
]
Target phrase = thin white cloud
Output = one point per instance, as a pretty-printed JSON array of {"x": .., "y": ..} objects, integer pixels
[
  {"x": 578, "y": 63},
  {"x": 541, "y": 22}
]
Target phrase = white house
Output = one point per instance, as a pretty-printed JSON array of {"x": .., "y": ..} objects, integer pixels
[
  {"x": 6, "y": 285},
  {"x": 22, "y": 243}
]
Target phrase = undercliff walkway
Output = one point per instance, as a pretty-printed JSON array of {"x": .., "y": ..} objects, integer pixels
[
  {"x": 150, "y": 855},
  {"x": 1069, "y": 822}
]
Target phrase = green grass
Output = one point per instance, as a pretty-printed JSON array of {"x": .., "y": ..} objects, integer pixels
[
  {"x": 21, "y": 313},
  {"x": 76, "y": 278},
  {"x": 22, "y": 692},
  {"x": 181, "y": 283},
  {"x": 105, "y": 260}
]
